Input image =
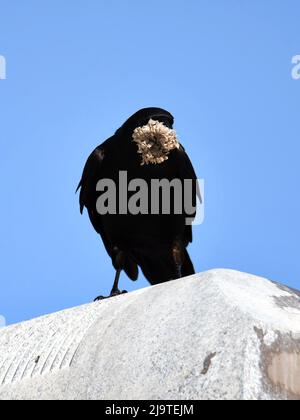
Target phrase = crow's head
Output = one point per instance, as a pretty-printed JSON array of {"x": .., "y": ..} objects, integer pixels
[
  {"x": 152, "y": 131},
  {"x": 142, "y": 117}
]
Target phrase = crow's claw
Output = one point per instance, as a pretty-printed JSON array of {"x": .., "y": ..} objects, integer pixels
[{"x": 113, "y": 294}]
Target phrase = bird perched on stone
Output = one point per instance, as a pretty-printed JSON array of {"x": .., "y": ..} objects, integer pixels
[{"x": 134, "y": 187}]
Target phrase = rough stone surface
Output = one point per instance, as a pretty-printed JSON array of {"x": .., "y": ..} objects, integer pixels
[{"x": 216, "y": 335}]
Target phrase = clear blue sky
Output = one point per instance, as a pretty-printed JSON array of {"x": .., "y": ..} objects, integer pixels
[{"x": 77, "y": 69}]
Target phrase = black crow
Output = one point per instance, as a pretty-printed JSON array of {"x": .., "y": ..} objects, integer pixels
[{"x": 145, "y": 148}]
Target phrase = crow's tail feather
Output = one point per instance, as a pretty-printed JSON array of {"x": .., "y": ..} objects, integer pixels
[{"x": 188, "y": 267}]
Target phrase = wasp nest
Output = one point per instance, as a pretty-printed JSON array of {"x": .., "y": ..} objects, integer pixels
[{"x": 155, "y": 141}]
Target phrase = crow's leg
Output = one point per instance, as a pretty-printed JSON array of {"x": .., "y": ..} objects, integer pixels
[
  {"x": 115, "y": 290},
  {"x": 118, "y": 261},
  {"x": 178, "y": 257}
]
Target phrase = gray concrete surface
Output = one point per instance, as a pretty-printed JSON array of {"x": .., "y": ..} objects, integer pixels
[{"x": 216, "y": 335}]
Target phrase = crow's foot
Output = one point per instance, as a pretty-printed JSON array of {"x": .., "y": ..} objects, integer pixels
[{"x": 113, "y": 294}]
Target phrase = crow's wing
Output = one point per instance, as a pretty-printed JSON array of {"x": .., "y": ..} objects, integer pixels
[
  {"x": 92, "y": 174},
  {"x": 186, "y": 171},
  {"x": 90, "y": 177}
]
